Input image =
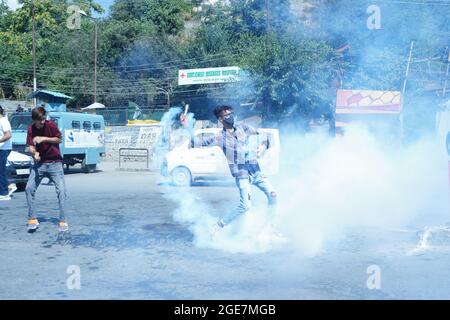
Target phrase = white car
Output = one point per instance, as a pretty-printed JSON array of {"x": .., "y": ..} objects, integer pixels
[
  {"x": 186, "y": 164},
  {"x": 443, "y": 130},
  {"x": 18, "y": 168},
  {"x": 447, "y": 142}
]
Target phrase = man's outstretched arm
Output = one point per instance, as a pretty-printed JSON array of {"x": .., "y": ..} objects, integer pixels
[
  {"x": 204, "y": 141},
  {"x": 263, "y": 138}
]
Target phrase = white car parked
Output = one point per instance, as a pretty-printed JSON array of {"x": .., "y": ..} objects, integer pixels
[
  {"x": 186, "y": 164},
  {"x": 443, "y": 130},
  {"x": 18, "y": 168}
]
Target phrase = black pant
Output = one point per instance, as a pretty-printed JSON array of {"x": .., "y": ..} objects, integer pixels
[{"x": 3, "y": 176}]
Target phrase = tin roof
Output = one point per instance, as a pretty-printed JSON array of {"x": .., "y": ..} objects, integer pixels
[{"x": 47, "y": 93}]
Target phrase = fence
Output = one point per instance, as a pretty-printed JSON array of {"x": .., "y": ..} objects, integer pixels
[
  {"x": 136, "y": 137},
  {"x": 134, "y": 157}
]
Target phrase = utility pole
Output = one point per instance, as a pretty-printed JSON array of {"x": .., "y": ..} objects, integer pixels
[
  {"x": 95, "y": 60},
  {"x": 266, "y": 105},
  {"x": 408, "y": 65},
  {"x": 34, "y": 51},
  {"x": 95, "y": 49}
]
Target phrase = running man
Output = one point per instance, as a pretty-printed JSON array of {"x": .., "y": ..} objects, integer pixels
[
  {"x": 43, "y": 139},
  {"x": 234, "y": 141}
]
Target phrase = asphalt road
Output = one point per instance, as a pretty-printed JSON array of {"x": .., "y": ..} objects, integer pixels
[{"x": 127, "y": 245}]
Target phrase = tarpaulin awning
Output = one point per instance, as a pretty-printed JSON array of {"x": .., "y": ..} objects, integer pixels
[
  {"x": 49, "y": 95},
  {"x": 94, "y": 106}
]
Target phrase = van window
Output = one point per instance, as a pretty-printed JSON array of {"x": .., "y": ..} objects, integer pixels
[
  {"x": 56, "y": 121},
  {"x": 87, "y": 125},
  {"x": 97, "y": 125},
  {"x": 20, "y": 122},
  {"x": 76, "y": 125}
]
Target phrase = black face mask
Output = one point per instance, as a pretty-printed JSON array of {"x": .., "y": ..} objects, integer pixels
[{"x": 229, "y": 120}]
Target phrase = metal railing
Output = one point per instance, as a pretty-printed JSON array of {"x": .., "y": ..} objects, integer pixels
[{"x": 123, "y": 156}]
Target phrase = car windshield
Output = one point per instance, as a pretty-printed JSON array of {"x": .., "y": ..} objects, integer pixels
[{"x": 20, "y": 122}]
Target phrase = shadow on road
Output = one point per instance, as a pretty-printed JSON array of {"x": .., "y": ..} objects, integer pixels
[{"x": 202, "y": 184}]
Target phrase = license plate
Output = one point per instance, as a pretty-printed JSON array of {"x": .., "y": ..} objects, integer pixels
[{"x": 23, "y": 171}]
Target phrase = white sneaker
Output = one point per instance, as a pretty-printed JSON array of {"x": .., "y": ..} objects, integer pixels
[
  {"x": 12, "y": 188},
  {"x": 5, "y": 198}
]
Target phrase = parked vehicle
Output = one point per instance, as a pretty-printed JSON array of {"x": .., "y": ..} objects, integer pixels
[
  {"x": 447, "y": 145},
  {"x": 186, "y": 164},
  {"x": 82, "y": 136},
  {"x": 443, "y": 130},
  {"x": 18, "y": 169}
]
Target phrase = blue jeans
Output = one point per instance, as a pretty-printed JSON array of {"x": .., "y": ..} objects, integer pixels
[
  {"x": 55, "y": 173},
  {"x": 3, "y": 176},
  {"x": 244, "y": 184}
]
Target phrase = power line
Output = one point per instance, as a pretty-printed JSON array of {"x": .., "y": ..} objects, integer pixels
[
  {"x": 143, "y": 65},
  {"x": 147, "y": 66},
  {"x": 124, "y": 91},
  {"x": 139, "y": 68}
]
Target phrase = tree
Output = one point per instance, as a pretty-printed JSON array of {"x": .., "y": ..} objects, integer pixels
[
  {"x": 51, "y": 35},
  {"x": 289, "y": 74},
  {"x": 288, "y": 48},
  {"x": 167, "y": 16},
  {"x": 4, "y": 10}
]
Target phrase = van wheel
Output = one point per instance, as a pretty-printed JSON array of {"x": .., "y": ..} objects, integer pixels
[
  {"x": 21, "y": 187},
  {"x": 181, "y": 177}
]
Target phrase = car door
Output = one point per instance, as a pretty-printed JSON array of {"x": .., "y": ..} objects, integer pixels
[{"x": 204, "y": 160}]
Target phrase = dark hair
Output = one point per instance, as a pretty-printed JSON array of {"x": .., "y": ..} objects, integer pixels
[
  {"x": 1, "y": 111},
  {"x": 176, "y": 123},
  {"x": 38, "y": 114},
  {"x": 218, "y": 110},
  {"x": 178, "y": 116}
]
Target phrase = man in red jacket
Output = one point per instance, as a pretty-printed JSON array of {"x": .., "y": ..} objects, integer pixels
[{"x": 43, "y": 139}]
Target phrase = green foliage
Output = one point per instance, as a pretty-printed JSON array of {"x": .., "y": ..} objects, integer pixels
[
  {"x": 289, "y": 51},
  {"x": 289, "y": 73},
  {"x": 166, "y": 15}
]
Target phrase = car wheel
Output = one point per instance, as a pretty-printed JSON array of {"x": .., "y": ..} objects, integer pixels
[
  {"x": 21, "y": 186},
  {"x": 181, "y": 177}
]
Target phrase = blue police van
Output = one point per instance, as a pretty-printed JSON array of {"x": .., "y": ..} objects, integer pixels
[{"x": 83, "y": 135}]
